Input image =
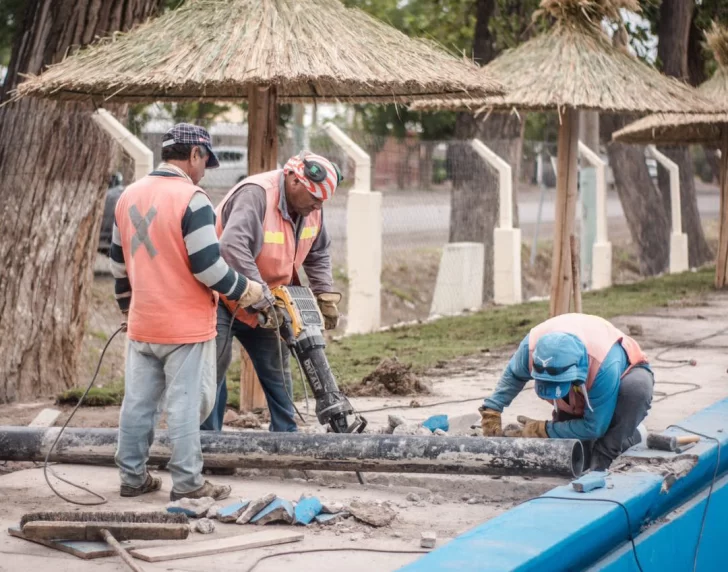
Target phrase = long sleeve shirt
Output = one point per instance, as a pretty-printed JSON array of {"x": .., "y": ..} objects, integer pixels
[
  {"x": 602, "y": 395},
  {"x": 242, "y": 237},
  {"x": 203, "y": 253}
]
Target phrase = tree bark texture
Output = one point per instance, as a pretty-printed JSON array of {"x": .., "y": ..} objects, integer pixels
[
  {"x": 648, "y": 222},
  {"x": 674, "y": 34},
  {"x": 54, "y": 168}
]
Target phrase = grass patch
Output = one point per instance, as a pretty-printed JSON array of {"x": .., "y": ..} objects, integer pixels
[
  {"x": 424, "y": 345},
  {"x": 111, "y": 394}
]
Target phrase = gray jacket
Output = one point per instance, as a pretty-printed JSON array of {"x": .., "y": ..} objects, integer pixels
[{"x": 242, "y": 237}]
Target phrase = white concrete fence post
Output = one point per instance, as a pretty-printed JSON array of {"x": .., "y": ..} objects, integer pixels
[
  {"x": 602, "y": 248},
  {"x": 678, "y": 239},
  {"x": 506, "y": 239},
  {"x": 363, "y": 240},
  {"x": 141, "y": 154}
]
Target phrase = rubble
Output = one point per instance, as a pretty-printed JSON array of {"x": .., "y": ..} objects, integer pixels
[
  {"x": 232, "y": 512},
  {"x": 194, "y": 508},
  {"x": 428, "y": 539},
  {"x": 205, "y": 526},
  {"x": 391, "y": 377},
  {"x": 280, "y": 510},
  {"x": 254, "y": 508},
  {"x": 374, "y": 514}
]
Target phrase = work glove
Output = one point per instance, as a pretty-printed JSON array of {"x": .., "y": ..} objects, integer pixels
[
  {"x": 254, "y": 293},
  {"x": 266, "y": 301},
  {"x": 490, "y": 422},
  {"x": 529, "y": 428},
  {"x": 271, "y": 318},
  {"x": 327, "y": 304}
]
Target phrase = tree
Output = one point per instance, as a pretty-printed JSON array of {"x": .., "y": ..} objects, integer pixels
[
  {"x": 54, "y": 165},
  {"x": 673, "y": 29}
]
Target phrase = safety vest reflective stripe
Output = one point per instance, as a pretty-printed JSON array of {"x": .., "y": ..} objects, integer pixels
[
  {"x": 274, "y": 237},
  {"x": 309, "y": 232}
]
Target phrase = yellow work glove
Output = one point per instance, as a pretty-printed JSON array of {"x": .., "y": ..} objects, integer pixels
[
  {"x": 327, "y": 304},
  {"x": 490, "y": 422},
  {"x": 252, "y": 294},
  {"x": 530, "y": 428}
]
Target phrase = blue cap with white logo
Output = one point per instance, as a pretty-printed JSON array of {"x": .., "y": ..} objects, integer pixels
[{"x": 559, "y": 360}]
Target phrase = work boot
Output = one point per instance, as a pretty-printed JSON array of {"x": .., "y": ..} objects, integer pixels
[
  {"x": 150, "y": 485},
  {"x": 218, "y": 492}
]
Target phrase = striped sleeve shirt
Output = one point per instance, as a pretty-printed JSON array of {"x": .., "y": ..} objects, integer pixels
[{"x": 203, "y": 252}]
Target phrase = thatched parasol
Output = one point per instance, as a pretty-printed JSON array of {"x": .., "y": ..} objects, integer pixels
[
  {"x": 706, "y": 129},
  {"x": 262, "y": 50},
  {"x": 575, "y": 66}
]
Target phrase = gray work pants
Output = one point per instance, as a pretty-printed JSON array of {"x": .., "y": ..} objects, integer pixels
[
  {"x": 180, "y": 378},
  {"x": 634, "y": 400}
]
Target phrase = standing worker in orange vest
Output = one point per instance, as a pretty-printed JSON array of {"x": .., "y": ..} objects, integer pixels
[
  {"x": 270, "y": 225},
  {"x": 597, "y": 378},
  {"x": 165, "y": 257}
]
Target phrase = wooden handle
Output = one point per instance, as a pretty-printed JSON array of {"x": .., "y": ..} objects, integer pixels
[
  {"x": 685, "y": 439},
  {"x": 119, "y": 549}
]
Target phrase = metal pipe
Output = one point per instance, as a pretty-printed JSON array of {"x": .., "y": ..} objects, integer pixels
[{"x": 324, "y": 452}]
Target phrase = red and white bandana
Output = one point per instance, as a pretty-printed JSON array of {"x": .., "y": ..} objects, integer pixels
[{"x": 323, "y": 190}]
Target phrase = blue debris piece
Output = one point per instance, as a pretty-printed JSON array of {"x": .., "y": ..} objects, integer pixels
[
  {"x": 307, "y": 509},
  {"x": 325, "y": 518},
  {"x": 179, "y": 509},
  {"x": 590, "y": 481},
  {"x": 232, "y": 511},
  {"x": 437, "y": 422},
  {"x": 279, "y": 509}
]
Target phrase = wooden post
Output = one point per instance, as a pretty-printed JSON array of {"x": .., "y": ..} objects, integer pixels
[
  {"x": 567, "y": 172},
  {"x": 262, "y": 157},
  {"x": 722, "y": 258},
  {"x": 576, "y": 278}
]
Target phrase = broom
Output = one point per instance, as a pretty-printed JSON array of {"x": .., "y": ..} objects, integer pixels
[{"x": 108, "y": 526}]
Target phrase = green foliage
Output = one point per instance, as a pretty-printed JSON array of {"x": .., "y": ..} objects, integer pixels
[
  {"x": 112, "y": 394},
  {"x": 11, "y": 13}
]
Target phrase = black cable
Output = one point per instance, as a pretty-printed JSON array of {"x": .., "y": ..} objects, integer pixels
[
  {"x": 624, "y": 508},
  {"x": 314, "y": 550},
  {"x": 280, "y": 363},
  {"x": 710, "y": 490},
  {"x": 58, "y": 437}
]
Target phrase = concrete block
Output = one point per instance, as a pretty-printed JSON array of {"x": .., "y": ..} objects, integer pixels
[
  {"x": 364, "y": 261},
  {"x": 507, "y": 266},
  {"x": 280, "y": 510},
  {"x": 459, "y": 284},
  {"x": 306, "y": 510},
  {"x": 232, "y": 512},
  {"x": 254, "y": 508},
  {"x": 590, "y": 482},
  {"x": 331, "y": 518},
  {"x": 678, "y": 252},
  {"x": 331, "y": 507},
  {"x": 601, "y": 265},
  {"x": 437, "y": 422},
  {"x": 428, "y": 539},
  {"x": 191, "y": 507}
]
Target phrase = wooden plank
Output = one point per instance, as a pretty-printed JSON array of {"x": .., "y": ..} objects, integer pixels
[
  {"x": 86, "y": 550},
  {"x": 722, "y": 256},
  {"x": 566, "y": 176},
  {"x": 45, "y": 418},
  {"x": 576, "y": 277},
  {"x": 252, "y": 397},
  {"x": 216, "y": 546}
]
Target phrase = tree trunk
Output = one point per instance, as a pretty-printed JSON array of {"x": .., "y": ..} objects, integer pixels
[
  {"x": 649, "y": 224},
  {"x": 426, "y": 165},
  {"x": 54, "y": 165},
  {"x": 674, "y": 34}
]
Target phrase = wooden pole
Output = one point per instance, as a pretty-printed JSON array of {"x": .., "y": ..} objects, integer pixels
[
  {"x": 576, "y": 278},
  {"x": 561, "y": 281},
  {"x": 721, "y": 261},
  {"x": 262, "y": 157}
]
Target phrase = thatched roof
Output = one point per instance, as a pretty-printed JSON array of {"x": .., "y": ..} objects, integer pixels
[
  {"x": 575, "y": 65},
  {"x": 217, "y": 49},
  {"x": 682, "y": 129}
]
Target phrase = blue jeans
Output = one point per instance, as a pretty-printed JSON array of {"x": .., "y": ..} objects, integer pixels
[
  {"x": 180, "y": 378},
  {"x": 262, "y": 347}
]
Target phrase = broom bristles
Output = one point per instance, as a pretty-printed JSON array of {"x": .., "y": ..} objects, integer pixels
[{"x": 131, "y": 517}]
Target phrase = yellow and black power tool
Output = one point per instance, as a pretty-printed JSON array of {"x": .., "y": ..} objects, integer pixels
[{"x": 301, "y": 327}]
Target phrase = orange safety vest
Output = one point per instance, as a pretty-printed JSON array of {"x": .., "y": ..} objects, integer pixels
[
  {"x": 598, "y": 336},
  {"x": 281, "y": 255},
  {"x": 168, "y": 304}
]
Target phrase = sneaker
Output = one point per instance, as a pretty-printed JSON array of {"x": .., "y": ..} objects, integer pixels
[
  {"x": 218, "y": 492},
  {"x": 150, "y": 485}
]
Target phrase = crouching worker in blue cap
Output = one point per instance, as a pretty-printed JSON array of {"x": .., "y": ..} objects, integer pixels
[{"x": 597, "y": 378}]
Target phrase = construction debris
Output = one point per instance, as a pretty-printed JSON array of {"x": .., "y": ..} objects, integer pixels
[
  {"x": 254, "y": 508},
  {"x": 331, "y": 507},
  {"x": 280, "y": 510},
  {"x": 232, "y": 512},
  {"x": 307, "y": 509},
  {"x": 205, "y": 526},
  {"x": 194, "y": 508},
  {"x": 328, "y": 519},
  {"x": 428, "y": 539},
  {"x": 374, "y": 514},
  {"x": 391, "y": 377}
]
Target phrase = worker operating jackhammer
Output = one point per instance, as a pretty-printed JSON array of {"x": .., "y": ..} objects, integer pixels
[{"x": 597, "y": 378}]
